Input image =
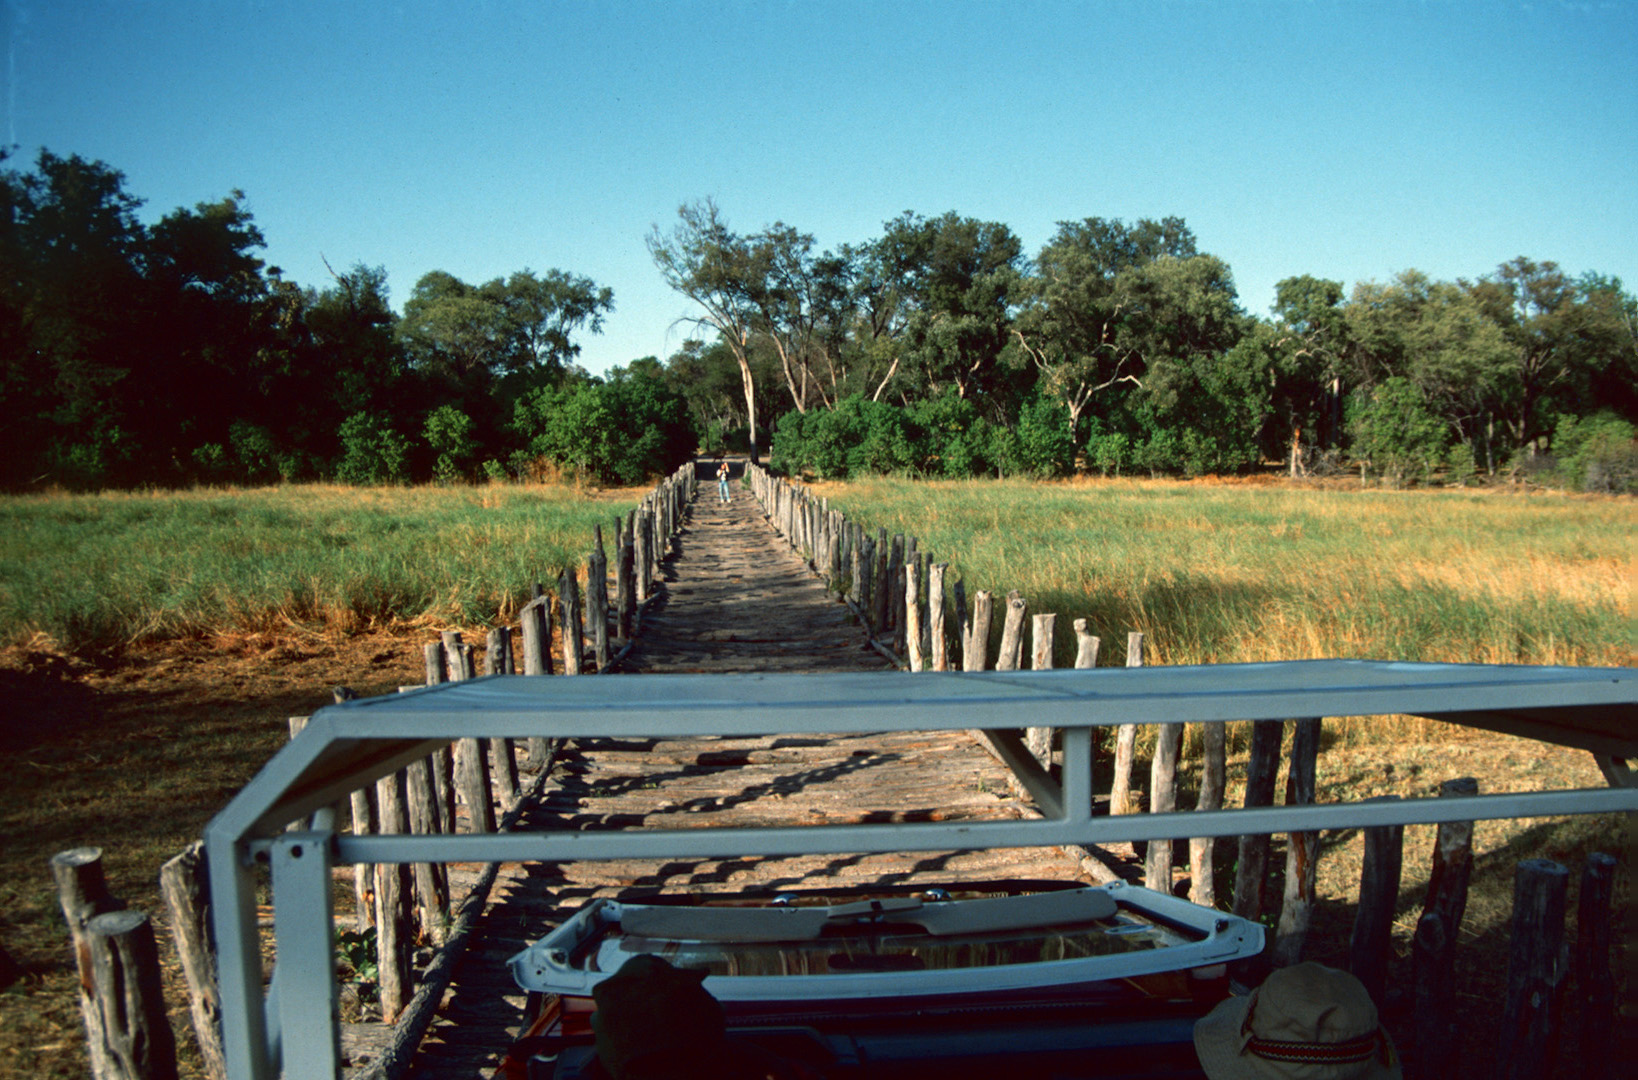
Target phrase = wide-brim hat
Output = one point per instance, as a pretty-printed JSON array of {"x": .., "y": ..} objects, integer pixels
[{"x": 1306, "y": 1022}]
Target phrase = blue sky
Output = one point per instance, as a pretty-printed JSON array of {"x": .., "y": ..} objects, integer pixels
[{"x": 1344, "y": 140}]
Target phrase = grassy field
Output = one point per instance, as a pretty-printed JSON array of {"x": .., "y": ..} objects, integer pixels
[
  {"x": 98, "y": 572},
  {"x": 154, "y": 645},
  {"x": 1218, "y": 573}
]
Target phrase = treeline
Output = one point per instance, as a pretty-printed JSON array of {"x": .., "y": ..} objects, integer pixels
[
  {"x": 941, "y": 348},
  {"x": 171, "y": 354}
]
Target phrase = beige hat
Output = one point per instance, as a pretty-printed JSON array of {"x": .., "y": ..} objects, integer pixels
[{"x": 1307, "y": 1022}]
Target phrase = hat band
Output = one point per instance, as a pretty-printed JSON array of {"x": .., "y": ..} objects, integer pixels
[{"x": 1342, "y": 1053}]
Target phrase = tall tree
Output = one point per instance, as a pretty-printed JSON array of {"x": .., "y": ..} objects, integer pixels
[
  {"x": 959, "y": 278},
  {"x": 517, "y": 326},
  {"x": 1440, "y": 338},
  {"x": 1310, "y": 344},
  {"x": 711, "y": 265},
  {"x": 1084, "y": 306}
]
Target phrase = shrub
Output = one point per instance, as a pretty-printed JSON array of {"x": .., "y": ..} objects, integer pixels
[
  {"x": 1596, "y": 453},
  {"x": 371, "y": 451},
  {"x": 1045, "y": 445},
  {"x": 1396, "y": 431},
  {"x": 448, "y": 431}
]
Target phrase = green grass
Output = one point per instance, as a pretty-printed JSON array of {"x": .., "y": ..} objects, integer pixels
[
  {"x": 95, "y": 572},
  {"x": 1223, "y": 573},
  {"x": 1215, "y": 573}
]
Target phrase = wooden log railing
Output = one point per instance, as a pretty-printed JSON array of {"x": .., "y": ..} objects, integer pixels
[
  {"x": 127, "y": 1034},
  {"x": 904, "y": 612}
]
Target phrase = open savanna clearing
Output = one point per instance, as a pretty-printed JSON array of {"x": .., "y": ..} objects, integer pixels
[
  {"x": 133, "y": 740},
  {"x": 94, "y": 573}
]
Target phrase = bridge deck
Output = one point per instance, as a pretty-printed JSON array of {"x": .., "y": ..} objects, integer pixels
[{"x": 735, "y": 599}]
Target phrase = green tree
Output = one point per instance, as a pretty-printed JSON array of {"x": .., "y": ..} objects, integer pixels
[
  {"x": 957, "y": 279},
  {"x": 1396, "y": 432},
  {"x": 1310, "y": 351},
  {"x": 713, "y": 266},
  {"x": 448, "y": 431},
  {"x": 1440, "y": 337},
  {"x": 518, "y": 326},
  {"x": 372, "y": 452}
]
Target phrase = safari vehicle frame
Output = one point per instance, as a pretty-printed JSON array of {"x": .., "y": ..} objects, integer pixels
[{"x": 292, "y": 1027}]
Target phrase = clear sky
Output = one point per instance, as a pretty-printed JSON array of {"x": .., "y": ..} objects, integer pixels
[{"x": 1345, "y": 140}]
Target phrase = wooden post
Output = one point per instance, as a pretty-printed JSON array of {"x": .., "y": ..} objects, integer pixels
[
  {"x": 597, "y": 599},
  {"x": 1262, "y": 771},
  {"x": 855, "y": 588},
  {"x": 1011, "y": 653},
  {"x": 537, "y": 660},
  {"x": 363, "y": 815},
  {"x": 895, "y": 582},
  {"x": 1039, "y": 739},
  {"x": 430, "y": 879},
  {"x": 186, "y": 887},
  {"x": 1157, "y": 863},
  {"x": 867, "y": 583},
  {"x": 83, "y": 893},
  {"x": 457, "y": 656},
  {"x": 1430, "y": 996},
  {"x": 1120, "y": 788},
  {"x": 568, "y": 597},
  {"x": 1302, "y": 848},
  {"x": 1378, "y": 894},
  {"x": 393, "y": 944},
  {"x": 935, "y": 612},
  {"x": 1202, "y": 849},
  {"x": 625, "y": 592},
  {"x": 640, "y": 559},
  {"x": 1532, "y": 1018},
  {"x": 125, "y": 969},
  {"x": 922, "y": 561},
  {"x": 434, "y": 654},
  {"x": 881, "y": 593},
  {"x": 497, "y": 660},
  {"x": 497, "y": 651},
  {"x": 1434, "y": 959},
  {"x": 1452, "y": 859},
  {"x": 1594, "y": 981},
  {"x": 1434, "y": 948},
  {"x": 964, "y": 626},
  {"x": 976, "y": 654},
  {"x": 912, "y": 618},
  {"x": 537, "y": 636},
  {"x": 1086, "y": 646}
]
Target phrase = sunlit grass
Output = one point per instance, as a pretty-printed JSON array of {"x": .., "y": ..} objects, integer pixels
[
  {"x": 98, "y": 571},
  {"x": 1221, "y": 573}
]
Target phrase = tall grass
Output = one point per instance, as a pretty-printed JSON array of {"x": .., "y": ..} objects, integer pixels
[
  {"x": 94, "y": 572},
  {"x": 1218, "y": 573}
]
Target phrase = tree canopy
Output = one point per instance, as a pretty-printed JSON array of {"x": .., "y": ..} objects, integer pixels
[{"x": 169, "y": 352}]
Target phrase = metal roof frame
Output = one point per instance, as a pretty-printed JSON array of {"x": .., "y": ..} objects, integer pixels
[{"x": 346, "y": 746}]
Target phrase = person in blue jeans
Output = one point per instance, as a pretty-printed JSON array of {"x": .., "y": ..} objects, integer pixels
[{"x": 722, "y": 482}]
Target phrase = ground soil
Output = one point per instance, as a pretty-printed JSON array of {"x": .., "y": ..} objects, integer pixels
[{"x": 133, "y": 754}]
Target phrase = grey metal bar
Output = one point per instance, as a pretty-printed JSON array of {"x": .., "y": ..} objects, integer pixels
[
  {"x": 941, "y": 836},
  {"x": 304, "y": 930}
]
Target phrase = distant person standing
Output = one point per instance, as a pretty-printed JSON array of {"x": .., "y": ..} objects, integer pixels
[{"x": 722, "y": 482}]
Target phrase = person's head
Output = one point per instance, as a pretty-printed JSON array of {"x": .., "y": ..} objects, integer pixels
[
  {"x": 1306, "y": 1022},
  {"x": 655, "y": 1020}
]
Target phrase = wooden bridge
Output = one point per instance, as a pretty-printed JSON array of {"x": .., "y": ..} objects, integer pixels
[
  {"x": 735, "y": 599},
  {"x": 771, "y": 746}
]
